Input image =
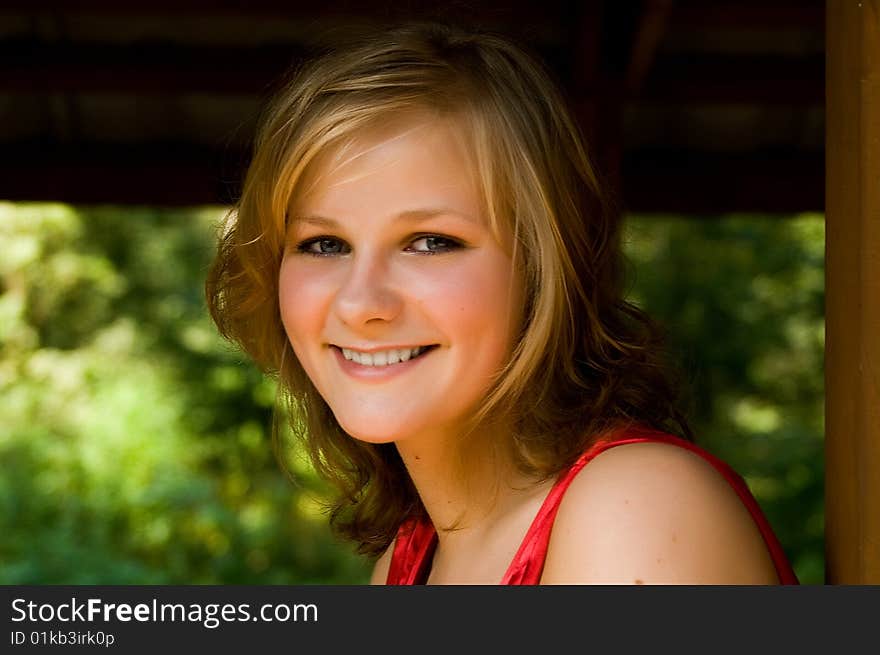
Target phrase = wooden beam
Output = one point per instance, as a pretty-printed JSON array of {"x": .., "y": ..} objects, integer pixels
[
  {"x": 852, "y": 279},
  {"x": 583, "y": 61},
  {"x": 152, "y": 174},
  {"x": 737, "y": 79},
  {"x": 710, "y": 184},
  {"x": 153, "y": 7},
  {"x": 176, "y": 174},
  {"x": 518, "y": 14},
  {"x": 277, "y": 8},
  {"x": 649, "y": 34},
  {"x": 142, "y": 68},
  {"x": 750, "y": 14},
  {"x": 153, "y": 68}
]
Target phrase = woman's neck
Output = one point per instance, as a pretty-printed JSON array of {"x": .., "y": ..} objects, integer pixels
[{"x": 464, "y": 484}]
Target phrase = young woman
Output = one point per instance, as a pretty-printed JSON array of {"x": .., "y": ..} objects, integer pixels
[{"x": 423, "y": 255}]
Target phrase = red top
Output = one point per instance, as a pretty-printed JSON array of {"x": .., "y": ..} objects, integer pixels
[{"x": 417, "y": 539}]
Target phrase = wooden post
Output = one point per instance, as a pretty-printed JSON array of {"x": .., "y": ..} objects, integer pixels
[{"x": 852, "y": 283}]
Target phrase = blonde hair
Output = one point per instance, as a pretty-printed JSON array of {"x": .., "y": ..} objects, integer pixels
[{"x": 585, "y": 359}]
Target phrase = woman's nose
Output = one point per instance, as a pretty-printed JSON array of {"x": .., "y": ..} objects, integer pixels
[{"x": 367, "y": 293}]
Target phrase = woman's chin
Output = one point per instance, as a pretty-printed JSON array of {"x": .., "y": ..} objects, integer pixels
[{"x": 376, "y": 432}]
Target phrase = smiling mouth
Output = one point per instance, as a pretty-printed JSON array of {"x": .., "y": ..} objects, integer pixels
[{"x": 385, "y": 357}]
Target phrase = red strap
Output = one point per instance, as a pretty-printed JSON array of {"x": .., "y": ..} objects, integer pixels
[{"x": 413, "y": 552}]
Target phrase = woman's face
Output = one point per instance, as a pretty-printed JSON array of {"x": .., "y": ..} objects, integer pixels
[{"x": 398, "y": 302}]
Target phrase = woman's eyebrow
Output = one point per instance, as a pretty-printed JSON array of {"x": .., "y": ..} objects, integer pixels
[{"x": 408, "y": 215}]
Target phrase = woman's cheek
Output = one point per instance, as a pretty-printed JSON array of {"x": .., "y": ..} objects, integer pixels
[{"x": 301, "y": 294}]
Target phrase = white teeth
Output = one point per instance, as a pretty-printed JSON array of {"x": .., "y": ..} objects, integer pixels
[{"x": 382, "y": 358}]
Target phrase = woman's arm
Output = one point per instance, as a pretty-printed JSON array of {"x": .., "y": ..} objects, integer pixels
[{"x": 651, "y": 513}]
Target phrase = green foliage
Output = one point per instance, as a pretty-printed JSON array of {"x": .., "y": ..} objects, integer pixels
[
  {"x": 135, "y": 444},
  {"x": 742, "y": 300}
]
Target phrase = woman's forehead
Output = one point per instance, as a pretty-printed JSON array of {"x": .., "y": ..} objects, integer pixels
[{"x": 425, "y": 151}]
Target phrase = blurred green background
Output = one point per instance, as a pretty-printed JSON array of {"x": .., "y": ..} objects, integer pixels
[{"x": 135, "y": 444}]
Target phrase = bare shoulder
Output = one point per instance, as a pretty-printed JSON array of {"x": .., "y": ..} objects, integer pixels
[
  {"x": 654, "y": 513},
  {"x": 380, "y": 569}
]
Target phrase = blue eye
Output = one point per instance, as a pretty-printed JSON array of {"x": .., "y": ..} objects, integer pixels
[
  {"x": 435, "y": 244},
  {"x": 322, "y": 247},
  {"x": 326, "y": 246}
]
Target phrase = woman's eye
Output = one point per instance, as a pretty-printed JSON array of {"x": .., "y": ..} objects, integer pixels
[
  {"x": 329, "y": 246},
  {"x": 323, "y": 246},
  {"x": 434, "y": 244}
]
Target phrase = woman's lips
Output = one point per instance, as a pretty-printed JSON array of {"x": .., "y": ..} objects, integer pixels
[{"x": 378, "y": 373}]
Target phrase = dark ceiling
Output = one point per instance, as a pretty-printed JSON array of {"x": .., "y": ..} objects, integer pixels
[{"x": 692, "y": 106}]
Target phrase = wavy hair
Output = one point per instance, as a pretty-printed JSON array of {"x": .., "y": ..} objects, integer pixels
[{"x": 585, "y": 359}]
